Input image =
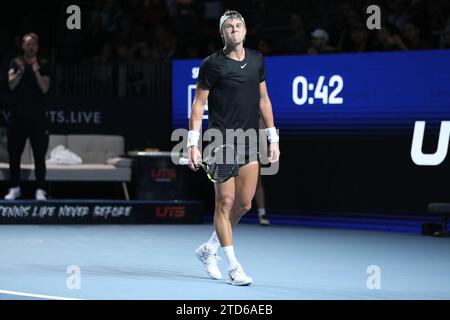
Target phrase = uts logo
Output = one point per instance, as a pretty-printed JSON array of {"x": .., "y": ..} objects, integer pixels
[
  {"x": 163, "y": 173},
  {"x": 434, "y": 159},
  {"x": 171, "y": 212}
]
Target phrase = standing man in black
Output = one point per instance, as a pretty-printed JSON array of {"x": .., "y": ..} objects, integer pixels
[{"x": 29, "y": 80}]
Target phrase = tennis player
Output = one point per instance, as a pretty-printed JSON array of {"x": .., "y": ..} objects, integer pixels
[{"x": 233, "y": 82}]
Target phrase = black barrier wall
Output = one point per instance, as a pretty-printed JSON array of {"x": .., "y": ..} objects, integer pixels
[{"x": 100, "y": 212}]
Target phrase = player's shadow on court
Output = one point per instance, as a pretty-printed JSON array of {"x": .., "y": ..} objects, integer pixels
[{"x": 144, "y": 272}]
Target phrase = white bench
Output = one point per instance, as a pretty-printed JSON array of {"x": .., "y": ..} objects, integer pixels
[{"x": 102, "y": 157}]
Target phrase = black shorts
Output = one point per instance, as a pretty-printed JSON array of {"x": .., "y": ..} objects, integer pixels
[
  {"x": 246, "y": 151},
  {"x": 245, "y": 154}
]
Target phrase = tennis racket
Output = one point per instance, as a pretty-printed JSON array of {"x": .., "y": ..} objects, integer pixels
[{"x": 219, "y": 165}]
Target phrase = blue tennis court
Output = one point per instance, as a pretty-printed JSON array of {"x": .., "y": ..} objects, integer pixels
[{"x": 158, "y": 262}]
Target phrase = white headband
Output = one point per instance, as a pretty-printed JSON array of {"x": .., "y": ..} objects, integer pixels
[{"x": 226, "y": 16}]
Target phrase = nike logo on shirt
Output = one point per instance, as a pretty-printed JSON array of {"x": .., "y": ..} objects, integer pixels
[{"x": 242, "y": 67}]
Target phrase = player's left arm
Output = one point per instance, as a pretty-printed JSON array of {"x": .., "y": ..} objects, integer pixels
[
  {"x": 43, "y": 79},
  {"x": 265, "y": 109}
]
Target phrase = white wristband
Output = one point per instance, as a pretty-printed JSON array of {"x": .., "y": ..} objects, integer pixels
[
  {"x": 193, "y": 137},
  {"x": 272, "y": 135}
]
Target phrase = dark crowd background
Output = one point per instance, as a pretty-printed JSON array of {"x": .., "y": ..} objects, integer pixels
[{"x": 140, "y": 30}]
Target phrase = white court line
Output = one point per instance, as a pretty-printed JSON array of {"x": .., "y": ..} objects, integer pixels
[{"x": 32, "y": 295}]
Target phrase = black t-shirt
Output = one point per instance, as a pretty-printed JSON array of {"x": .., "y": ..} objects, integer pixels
[
  {"x": 233, "y": 101},
  {"x": 29, "y": 100}
]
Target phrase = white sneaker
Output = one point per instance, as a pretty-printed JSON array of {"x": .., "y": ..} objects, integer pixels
[
  {"x": 13, "y": 193},
  {"x": 209, "y": 260},
  {"x": 237, "y": 277},
  {"x": 264, "y": 221},
  {"x": 41, "y": 195}
]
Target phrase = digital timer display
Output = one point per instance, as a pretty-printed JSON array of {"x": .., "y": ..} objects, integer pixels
[{"x": 342, "y": 94}]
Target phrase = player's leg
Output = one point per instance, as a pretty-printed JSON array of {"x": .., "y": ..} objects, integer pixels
[
  {"x": 207, "y": 252},
  {"x": 244, "y": 190},
  {"x": 224, "y": 199},
  {"x": 245, "y": 186}
]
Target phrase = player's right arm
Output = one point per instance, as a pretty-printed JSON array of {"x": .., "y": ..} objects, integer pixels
[
  {"x": 15, "y": 73},
  {"x": 195, "y": 125}
]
